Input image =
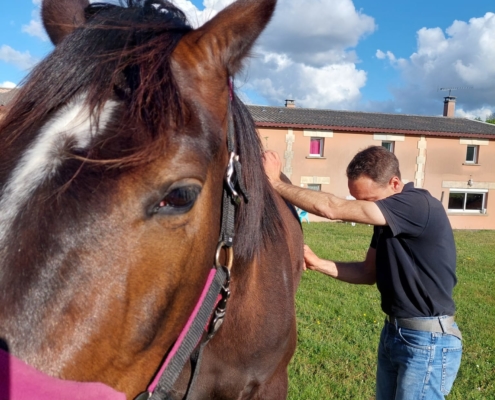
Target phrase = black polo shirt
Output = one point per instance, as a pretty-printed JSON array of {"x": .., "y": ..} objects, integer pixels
[{"x": 415, "y": 255}]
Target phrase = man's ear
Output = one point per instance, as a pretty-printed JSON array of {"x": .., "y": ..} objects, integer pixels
[{"x": 396, "y": 184}]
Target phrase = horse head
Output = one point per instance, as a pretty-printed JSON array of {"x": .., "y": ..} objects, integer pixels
[{"x": 114, "y": 154}]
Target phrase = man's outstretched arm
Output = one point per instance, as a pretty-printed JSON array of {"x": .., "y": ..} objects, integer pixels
[{"x": 320, "y": 203}]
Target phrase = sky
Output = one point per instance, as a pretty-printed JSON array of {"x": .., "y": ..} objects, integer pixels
[{"x": 388, "y": 56}]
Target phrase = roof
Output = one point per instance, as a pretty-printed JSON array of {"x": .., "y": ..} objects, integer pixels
[
  {"x": 6, "y": 95},
  {"x": 353, "y": 121}
]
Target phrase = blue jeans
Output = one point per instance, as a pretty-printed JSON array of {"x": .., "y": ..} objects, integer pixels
[{"x": 416, "y": 365}]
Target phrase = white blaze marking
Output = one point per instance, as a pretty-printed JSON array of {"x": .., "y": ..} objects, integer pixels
[{"x": 42, "y": 159}]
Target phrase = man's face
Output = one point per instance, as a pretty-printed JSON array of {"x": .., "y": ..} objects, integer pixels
[{"x": 364, "y": 188}]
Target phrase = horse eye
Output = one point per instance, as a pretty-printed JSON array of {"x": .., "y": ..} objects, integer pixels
[{"x": 178, "y": 201}]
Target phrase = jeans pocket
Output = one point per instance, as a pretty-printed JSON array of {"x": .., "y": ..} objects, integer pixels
[
  {"x": 418, "y": 340},
  {"x": 451, "y": 360}
]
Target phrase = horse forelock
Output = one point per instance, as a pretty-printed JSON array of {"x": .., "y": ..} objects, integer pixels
[{"x": 123, "y": 54}]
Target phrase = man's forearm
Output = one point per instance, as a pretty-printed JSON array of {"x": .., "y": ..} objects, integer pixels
[
  {"x": 329, "y": 206},
  {"x": 317, "y": 203},
  {"x": 350, "y": 272}
]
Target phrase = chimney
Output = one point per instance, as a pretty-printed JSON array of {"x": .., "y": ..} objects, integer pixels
[
  {"x": 449, "y": 107},
  {"x": 290, "y": 103}
]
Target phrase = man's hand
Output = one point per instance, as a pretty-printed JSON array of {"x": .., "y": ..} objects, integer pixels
[
  {"x": 315, "y": 263},
  {"x": 311, "y": 260},
  {"x": 272, "y": 165}
]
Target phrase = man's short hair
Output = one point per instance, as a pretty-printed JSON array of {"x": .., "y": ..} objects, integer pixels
[{"x": 376, "y": 163}]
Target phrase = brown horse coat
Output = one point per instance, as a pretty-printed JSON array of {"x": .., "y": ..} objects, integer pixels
[{"x": 111, "y": 177}]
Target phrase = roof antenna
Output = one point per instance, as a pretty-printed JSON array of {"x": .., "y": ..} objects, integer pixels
[{"x": 454, "y": 88}]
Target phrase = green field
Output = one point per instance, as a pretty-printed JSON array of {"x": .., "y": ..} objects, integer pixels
[{"x": 339, "y": 324}]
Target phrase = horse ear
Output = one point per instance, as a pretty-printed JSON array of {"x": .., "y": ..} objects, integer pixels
[
  {"x": 62, "y": 17},
  {"x": 229, "y": 36}
]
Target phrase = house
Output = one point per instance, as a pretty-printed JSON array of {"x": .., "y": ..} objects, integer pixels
[
  {"x": 6, "y": 95},
  {"x": 453, "y": 158}
]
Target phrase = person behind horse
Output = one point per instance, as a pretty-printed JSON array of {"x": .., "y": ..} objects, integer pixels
[{"x": 411, "y": 258}]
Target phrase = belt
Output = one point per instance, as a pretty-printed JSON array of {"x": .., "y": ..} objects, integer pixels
[{"x": 439, "y": 324}]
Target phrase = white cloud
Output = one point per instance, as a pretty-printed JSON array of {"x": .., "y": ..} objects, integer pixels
[
  {"x": 35, "y": 27},
  {"x": 388, "y": 55},
  {"x": 277, "y": 78},
  {"x": 24, "y": 60},
  {"x": 396, "y": 62},
  {"x": 306, "y": 54},
  {"x": 483, "y": 113},
  {"x": 317, "y": 32},
  {"x": 7, "y": 85},
  {"x": 461, "y": 57}
]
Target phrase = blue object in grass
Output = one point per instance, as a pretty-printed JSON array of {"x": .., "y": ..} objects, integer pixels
[{"x": 303, "y": 215}]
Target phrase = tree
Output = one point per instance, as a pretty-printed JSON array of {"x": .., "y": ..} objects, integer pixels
[{"x": 491, "y": 119}]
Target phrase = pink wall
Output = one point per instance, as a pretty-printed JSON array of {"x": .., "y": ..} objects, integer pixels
[{"x": 444, "y": 163}]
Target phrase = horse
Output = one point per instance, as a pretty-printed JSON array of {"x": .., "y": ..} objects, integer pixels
[{"x": 112, "y": 182}]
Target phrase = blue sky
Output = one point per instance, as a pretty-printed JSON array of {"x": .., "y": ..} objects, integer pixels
[{"x": 365, "y": 55}]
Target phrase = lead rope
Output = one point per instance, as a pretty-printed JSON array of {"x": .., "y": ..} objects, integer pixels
[{"x": 216, "y": 292}]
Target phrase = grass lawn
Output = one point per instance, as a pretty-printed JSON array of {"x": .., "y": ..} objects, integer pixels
[{"x": 339, "y": 324}]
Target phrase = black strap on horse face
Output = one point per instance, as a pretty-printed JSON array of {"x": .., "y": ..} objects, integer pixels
[
  {"x": 211, "y": 312},
  {"x": 234, "y": 190}
]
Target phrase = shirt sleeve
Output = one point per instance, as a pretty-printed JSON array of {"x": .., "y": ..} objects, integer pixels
[
  {"x": 374, "y": 239},
  {"x": 406, "y": 212}
]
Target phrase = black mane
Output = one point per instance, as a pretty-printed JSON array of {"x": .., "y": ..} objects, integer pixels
[{"x": 259, "y": 221}]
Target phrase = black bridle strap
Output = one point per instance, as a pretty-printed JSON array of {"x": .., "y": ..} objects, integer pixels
[
  {"x": 216, "y": 292},
  {"x": 234, "y": 192},
  {"x": 196, "y": 359},
  {"x": 189, "y": 338}
]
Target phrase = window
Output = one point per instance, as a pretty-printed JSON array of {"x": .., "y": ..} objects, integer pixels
[
  {"x": 472, "y": 154},
  {"x": 316, "y": 147},
  {"x": 315, "y": 187},
  {"x": 469, "y": 201},
  {"x": 389, "y": 146}
]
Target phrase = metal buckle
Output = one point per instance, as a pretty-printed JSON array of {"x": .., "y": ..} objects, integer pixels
[
  {"x": 230, "y": 176},
  {"x": 230, "y": 256},
  {"x": 219, "y": 314}
]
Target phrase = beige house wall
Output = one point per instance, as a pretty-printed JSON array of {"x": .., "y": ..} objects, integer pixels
[
  {"x": 448, "y": 170},
  {"x": 435, "y": 164}
]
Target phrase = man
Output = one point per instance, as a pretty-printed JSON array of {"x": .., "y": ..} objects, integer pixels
[{"x": 412, "y": 259}]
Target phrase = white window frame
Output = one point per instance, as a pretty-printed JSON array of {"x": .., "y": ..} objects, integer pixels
[
  {"x": 391, "y": 145},
  {"x": 314, "y": 186},
  {"x": 322, "y": 147},
  {"x": 482, "y": 210},
  {"x": 475, "y": 155}
]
